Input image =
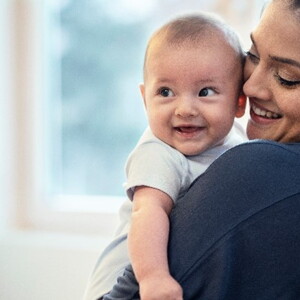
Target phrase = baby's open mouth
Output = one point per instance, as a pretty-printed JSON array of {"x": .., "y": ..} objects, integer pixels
[{"x": 188, "y": 129}]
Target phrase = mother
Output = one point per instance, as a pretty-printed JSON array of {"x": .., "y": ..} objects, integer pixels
[{"x": 236, "y": 233}]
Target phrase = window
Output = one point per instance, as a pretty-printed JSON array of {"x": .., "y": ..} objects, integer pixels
[
  {"x": 94, "y": 110},
  {"x": 79, "y": 113}
]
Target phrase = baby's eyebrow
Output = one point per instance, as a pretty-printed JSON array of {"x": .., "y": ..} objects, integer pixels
[
  {"x": 208, "y": 80},
  {"x": 214, "y": 80},
  {"x": 162, "y": 80}
]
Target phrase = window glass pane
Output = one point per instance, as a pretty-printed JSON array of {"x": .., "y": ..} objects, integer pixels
[{"x": 94, "y": 55}]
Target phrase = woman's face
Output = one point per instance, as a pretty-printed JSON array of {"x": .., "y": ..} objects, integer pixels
[{"x": 272, "y": 75}]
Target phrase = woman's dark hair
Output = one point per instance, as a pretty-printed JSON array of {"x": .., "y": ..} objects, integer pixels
[{"x": 295, "y": 4}]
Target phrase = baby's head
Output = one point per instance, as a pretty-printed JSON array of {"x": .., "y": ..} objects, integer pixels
[
  {"x": 191, "y": 30},
  {"x": 192, "y": 82}
]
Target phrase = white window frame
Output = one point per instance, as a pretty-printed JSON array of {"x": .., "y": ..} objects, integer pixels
[{"x": 24, "y": 151}]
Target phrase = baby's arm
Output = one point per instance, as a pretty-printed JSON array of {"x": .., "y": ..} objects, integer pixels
[{"x": 148, "y": 240}]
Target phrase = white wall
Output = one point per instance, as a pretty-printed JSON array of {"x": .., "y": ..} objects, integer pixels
[
  {"x": 5, "y": 120},
  {"x": 33, "y": 265},
  {"x": 45, "y": 266}
]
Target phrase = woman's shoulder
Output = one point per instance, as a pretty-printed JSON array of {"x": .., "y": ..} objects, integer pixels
[
  {"x": 259, "y": 156},
  {"x": 265, "y": 146}
]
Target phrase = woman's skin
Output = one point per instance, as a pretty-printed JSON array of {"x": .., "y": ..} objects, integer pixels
[{"x": 272, "y": 75}]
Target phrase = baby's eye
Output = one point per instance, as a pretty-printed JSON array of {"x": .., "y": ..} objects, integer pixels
[
  {"x": 166, "y": 92},
  {"x": 206, "y": 92}
]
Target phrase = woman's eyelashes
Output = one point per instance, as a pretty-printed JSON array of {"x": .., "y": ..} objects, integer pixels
[
  {"x": 252, "y": 57},
  {"x": 287, "y": 83}
]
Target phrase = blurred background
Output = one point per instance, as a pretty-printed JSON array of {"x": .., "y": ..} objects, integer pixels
[{"x": 70, "y": 114}]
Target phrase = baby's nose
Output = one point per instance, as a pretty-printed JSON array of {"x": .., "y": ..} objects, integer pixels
[{"x": 186, "y": 107}]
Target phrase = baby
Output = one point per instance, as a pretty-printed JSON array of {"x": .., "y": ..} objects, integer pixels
[{"x": 192, "y": 92}]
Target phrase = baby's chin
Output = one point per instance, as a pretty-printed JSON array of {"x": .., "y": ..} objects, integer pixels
[{"x": 189, "y": 151}]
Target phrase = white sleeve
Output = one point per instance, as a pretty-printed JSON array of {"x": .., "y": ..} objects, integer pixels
[{"x": 156, "y": 165}]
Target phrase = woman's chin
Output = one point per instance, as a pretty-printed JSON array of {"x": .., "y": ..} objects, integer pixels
[{"x": 255, "y": 131}]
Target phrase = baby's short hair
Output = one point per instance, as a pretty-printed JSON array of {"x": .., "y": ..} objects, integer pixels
[{"x": 190, "y": 29}]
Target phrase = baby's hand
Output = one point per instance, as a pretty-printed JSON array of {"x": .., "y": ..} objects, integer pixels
[{"x": 160, "y": 287}]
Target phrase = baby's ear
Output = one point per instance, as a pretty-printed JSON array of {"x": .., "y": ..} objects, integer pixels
[
  {"x": 241, "y": 106},
  {"x": 142, "y": 90}
]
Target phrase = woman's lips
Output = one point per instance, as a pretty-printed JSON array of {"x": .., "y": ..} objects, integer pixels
[{"x": 261, "y": 112}]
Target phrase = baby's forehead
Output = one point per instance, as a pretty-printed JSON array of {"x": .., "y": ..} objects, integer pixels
[
  {"x": 197, "y": 59},
  {"x": 178, "y": 38},
  {"x": 213, "y": 41}
]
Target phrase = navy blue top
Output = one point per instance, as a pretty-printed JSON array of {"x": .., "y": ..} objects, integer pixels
[{"x": 235, "y": 234}]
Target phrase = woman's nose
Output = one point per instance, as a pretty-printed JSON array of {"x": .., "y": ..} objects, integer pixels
[
  {"x": 187, "y": 107},
  {"x": 256, "y": 82}
]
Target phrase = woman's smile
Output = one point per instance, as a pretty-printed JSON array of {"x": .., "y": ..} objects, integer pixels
[{"x": 267, "y": 114}]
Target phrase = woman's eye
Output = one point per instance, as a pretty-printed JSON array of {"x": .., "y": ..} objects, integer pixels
[
  {"x": 287, "y": 83},
  {"x": 166, "y": 92},
  {"x": 252, "y": 57},
  {"x": 206, "y": 92}
]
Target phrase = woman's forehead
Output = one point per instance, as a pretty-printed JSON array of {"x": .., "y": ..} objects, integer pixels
[
  {"x": 278, "y": 29},
  {"x": 290, "y": 7}
]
